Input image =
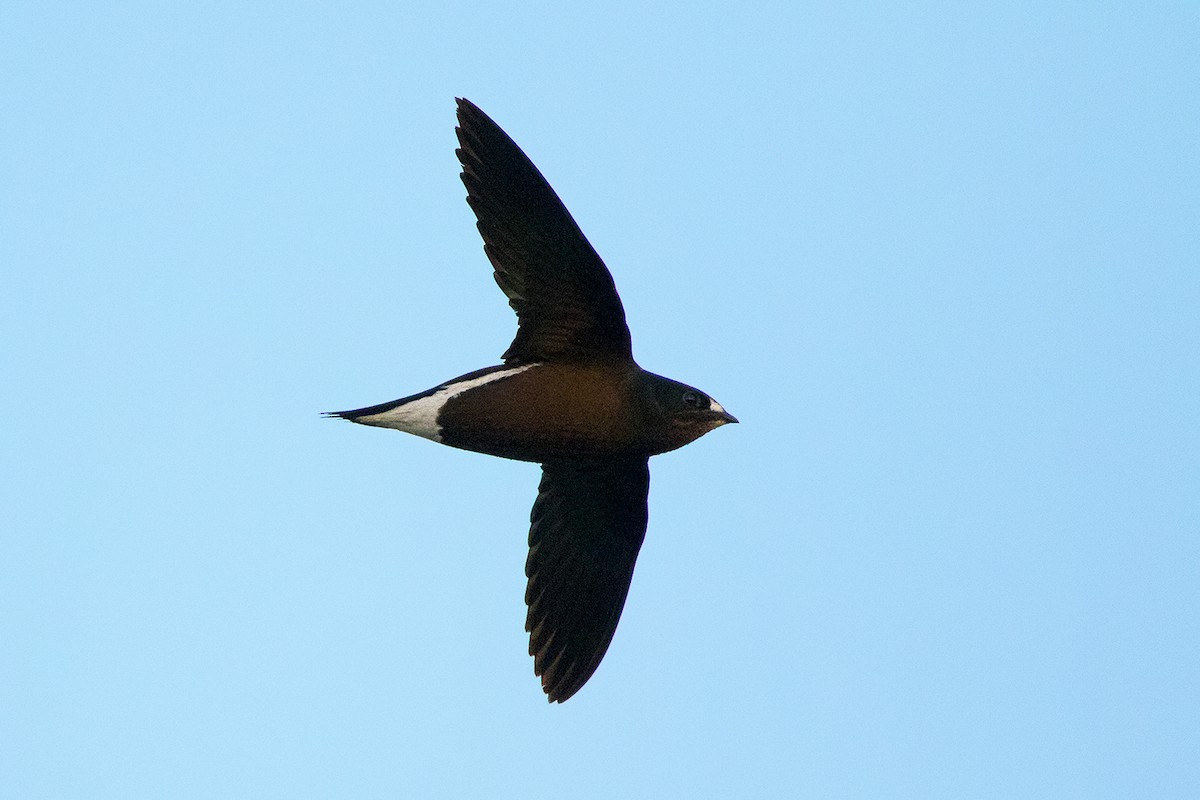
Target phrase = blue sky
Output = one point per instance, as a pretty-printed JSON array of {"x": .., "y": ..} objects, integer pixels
[{"x": 942, "y": 261}]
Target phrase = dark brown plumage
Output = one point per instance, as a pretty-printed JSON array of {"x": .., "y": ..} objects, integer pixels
[
  {"x": 566, "y": 302},
  {"x": 569, "y": 395}
]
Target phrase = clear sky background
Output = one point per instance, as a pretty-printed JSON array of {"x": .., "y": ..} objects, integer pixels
[{"x": 943, "y": 261}]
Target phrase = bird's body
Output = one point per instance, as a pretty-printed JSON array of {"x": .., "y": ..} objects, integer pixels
[
  {"x": 541, "y": 412},
  {"x": 569, "y": 396}
]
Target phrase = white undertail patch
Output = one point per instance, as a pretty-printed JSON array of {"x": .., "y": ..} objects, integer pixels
[{"x": 419, "y": 416}]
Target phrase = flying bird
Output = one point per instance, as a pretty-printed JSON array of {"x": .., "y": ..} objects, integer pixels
[{"x": 568, "y": 396}]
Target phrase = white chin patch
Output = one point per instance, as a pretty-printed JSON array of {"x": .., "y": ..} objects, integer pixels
[
  {"x": 715, "y": 406},
  {"x": 419, "y": 416}
]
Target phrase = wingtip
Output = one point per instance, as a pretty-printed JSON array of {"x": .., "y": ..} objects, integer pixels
[
  {"x": 561, "y": 682},
  {"x": 465, "y": 107},
  {"x": 556, "y": 694}
]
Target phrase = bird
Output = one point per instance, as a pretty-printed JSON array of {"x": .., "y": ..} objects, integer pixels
[{"x": 568, "y": 395}]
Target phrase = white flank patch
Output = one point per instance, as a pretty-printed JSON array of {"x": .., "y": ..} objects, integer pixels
[{"x": 420, "y": 416}]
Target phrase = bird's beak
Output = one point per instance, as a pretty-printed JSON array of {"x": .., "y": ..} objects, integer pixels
[{"x": 718, "y": 411}]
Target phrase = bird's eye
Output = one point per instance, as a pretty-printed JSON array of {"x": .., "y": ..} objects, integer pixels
[{"x": 692, "y": 399}]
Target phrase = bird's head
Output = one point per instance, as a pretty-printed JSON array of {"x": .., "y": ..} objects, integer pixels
[{"x": 681, "y": 413}]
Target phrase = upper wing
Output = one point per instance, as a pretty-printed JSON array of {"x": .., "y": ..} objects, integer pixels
[
  {"x": 587, "y": 526},
  {"x": 566, "y": 303}
]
